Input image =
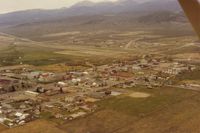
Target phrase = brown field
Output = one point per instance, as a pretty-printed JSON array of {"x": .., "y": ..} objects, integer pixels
[
  {"x": 38, "y": 126},
  {"x": 169, "y": 110},
  {"x": 2, "y": 128}
]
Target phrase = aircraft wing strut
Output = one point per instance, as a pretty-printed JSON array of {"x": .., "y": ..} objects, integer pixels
[{"x": 192, "y": 11}]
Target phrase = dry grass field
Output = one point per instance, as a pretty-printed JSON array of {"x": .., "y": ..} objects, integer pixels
[
  {"x": 2, "y": 128},
  {"x": 38, "y": 126},
  {"x": 167, "y": 110}
]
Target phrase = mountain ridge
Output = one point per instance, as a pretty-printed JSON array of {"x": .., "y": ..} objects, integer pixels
[
  {"x": 124, "y": 14},
  {"x": 80, "y": 9}
]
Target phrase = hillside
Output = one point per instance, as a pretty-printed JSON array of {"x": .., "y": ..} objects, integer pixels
[
  {"x": 89, "y": 16},
  {"x": 86, "y": 8},
  {"x": 163, "y": 17}
]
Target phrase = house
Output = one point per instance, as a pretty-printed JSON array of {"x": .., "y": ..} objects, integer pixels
[
  {"x": 76, "y": 115},
  {"x": 31, "y": 93},
  {"x": 62, "y": 84}
]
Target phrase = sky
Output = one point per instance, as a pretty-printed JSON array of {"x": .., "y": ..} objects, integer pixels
[{"x": 16, "y": 5}]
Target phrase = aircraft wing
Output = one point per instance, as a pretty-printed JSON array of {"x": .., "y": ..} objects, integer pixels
[{"x": 192, "y": 11}]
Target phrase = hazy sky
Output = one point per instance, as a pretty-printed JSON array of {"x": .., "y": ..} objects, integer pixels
[{"x": 14, "y": 5}]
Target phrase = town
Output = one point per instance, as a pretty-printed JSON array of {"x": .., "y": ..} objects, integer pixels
[{"x": 28, "y": 94}]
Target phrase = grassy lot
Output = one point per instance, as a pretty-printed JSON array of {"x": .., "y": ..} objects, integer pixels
[
  {"x": 144, "y": 106},
  {"x": 168, "y": 109},
  {"x": 194, "y": 75}
]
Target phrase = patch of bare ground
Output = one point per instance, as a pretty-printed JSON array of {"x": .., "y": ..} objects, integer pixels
[{"x": 139, "y": 95}]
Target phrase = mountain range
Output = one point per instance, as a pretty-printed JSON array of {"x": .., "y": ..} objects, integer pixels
[{"x": 89, "y": 15}]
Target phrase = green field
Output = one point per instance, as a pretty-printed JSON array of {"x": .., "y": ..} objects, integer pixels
[{"x": 14, "y": 52}]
